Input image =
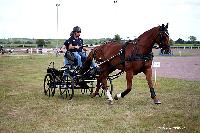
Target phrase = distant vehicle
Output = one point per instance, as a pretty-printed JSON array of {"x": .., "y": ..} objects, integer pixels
[
  {"x": 40, "y": 50},
  {"x": 3, "y": 51}
]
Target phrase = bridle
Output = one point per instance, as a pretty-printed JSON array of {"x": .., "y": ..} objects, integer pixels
[{"x": 161, "y": 34}]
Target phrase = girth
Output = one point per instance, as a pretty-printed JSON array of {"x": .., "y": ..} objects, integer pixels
[{"x": 140, "y": 57}]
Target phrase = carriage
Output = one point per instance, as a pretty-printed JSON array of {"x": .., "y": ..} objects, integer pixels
[{"x": 67, "y": 79}]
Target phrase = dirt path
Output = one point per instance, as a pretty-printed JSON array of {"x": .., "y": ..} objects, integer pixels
[{"x": 187, "y": 68}]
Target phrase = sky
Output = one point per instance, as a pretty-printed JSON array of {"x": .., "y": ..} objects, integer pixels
[{"x": 97, "y": 18}]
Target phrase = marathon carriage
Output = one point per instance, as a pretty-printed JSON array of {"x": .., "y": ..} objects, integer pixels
[{"x": 69, "y": 78}]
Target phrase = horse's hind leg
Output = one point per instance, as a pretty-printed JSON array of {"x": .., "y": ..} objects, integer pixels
[
  {"x": 129, "y": 77},
  {"x": 148, "y": 74}
]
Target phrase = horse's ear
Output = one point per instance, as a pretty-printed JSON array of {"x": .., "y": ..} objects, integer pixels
[
  {"x": 162, "y": 27},
  {"x": 166, "y": 27}
]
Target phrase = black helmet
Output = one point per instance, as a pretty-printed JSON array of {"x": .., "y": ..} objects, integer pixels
[{"x": 76, "y": 29}]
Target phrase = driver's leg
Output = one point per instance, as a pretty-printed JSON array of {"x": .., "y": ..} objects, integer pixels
[
  {"x": 65, "y": 61},
  {"x": 84, "y": 57},
  {"x": 78, "y": 57}
]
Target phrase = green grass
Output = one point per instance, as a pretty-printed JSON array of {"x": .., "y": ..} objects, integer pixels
[{"x": 24, "y": 107}]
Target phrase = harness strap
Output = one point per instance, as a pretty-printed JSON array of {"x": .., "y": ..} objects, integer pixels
[
  {"x": 121, "y": 54},
  {"x": 140, "y": 57}
]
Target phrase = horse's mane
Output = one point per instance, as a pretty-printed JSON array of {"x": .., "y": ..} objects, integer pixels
[{"x": 147, "y": 32}]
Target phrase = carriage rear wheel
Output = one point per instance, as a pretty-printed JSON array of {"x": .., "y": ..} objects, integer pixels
[
  {"x": 49, "y": 85},
  {"x": 69, "y": 87}
]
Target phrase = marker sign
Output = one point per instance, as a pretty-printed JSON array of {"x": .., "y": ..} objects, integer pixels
[{"x": 156, "y": 64}]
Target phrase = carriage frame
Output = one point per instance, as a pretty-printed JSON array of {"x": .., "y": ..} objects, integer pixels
[{"x": 67, "y": 79}]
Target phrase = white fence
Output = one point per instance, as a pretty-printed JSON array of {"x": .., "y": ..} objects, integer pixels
[{"x": 185, "y": 47}]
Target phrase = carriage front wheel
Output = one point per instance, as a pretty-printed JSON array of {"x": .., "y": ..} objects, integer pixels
[{"x": 49, "y": 85}]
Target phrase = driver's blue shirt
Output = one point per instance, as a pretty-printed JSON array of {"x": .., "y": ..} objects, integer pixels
[{"x": 74, "y": 42}]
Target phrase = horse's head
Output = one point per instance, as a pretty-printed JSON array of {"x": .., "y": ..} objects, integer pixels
[{"x": 163, "y": 37}]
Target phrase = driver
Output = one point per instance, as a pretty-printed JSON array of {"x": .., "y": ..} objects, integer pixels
[{"x": 75, "y": 45}]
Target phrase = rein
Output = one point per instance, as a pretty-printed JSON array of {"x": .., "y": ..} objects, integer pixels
[{"x": 109, "y": 59}]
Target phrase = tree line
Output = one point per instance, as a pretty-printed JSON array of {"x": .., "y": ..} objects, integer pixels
[
  {"x": 191, "y": 40},
  {"x": 26, "y": 42}
]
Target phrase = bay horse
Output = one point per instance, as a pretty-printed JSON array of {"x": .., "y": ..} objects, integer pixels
[{"x": 133, "y": 57}]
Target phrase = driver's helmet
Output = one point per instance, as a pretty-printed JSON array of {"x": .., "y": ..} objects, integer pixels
[{"x": 76, "y": 29}]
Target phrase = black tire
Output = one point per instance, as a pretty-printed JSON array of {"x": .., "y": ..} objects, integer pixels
[
  {"x": 69, "y": 87},
  {"x": 49, "y": 85}
]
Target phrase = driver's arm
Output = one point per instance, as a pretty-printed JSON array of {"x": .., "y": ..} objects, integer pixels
[
  {"x": 73, "y": 47},
  {"x": 63, "y": 49}
]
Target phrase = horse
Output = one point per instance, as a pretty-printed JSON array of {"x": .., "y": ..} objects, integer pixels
[{"x": 133, "y": 57}]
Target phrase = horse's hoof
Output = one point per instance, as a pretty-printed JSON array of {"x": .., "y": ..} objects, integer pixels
[
  {"x": 110, "y": 102},
  {"x": 116, "y": 98},
  {"x": 157, "y": 101},
  {"x": 93, "y": 95}
]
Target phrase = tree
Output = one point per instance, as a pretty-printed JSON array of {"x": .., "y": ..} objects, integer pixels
[
  {"x": 18, "y": 42},
  {"x": 117, "y": 38},
  {"x": 180, "y": 41},
  {"x": 40, "y": 42},
  {"x": 171, "y": 42},
  {"x": 192, "y": 39}
]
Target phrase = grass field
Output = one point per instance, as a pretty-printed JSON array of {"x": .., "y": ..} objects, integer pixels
[{"x": 24, "y": 107}]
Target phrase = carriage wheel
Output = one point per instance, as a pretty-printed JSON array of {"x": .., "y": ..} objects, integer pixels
[
  {"x": 69, "y": 87},
  {"x": 92, "y": 87},
  {"x": 49, "y": 85},
  {"x": 62, "y": 88}
]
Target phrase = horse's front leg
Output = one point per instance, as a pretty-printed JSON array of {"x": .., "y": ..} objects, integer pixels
[
  {"x": 97, "y": 88},
  {"x": 129, "y": 77},
  {"x": 107, "y": 92},
  {"x": 148, "y": 73}
]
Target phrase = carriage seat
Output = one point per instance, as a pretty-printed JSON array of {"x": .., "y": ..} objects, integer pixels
[{"x": 71, "y": 59}]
